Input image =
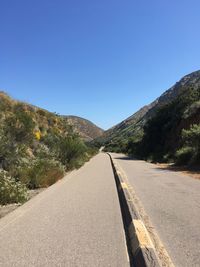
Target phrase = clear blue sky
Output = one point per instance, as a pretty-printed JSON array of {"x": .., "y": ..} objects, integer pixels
[{"x": 99, "y": 59}]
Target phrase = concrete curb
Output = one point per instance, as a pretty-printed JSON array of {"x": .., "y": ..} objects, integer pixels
[{"x": 141, "y": 250}]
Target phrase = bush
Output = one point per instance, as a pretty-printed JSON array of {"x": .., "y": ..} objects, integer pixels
[
  {"x": 72, "y": 152},
  {"x": 184, "y": 155},
  {"x": 11, "y": 154},
  {"x": 91, "y": 151},
  {"x": 116, "y": 146},
  {"x": 19, "y": 127},
  {"x": 10, "y": 190},
  {"x": 192, "y": 136},
  {"x": 42, "y": 173},
  {"x": 190, "y": 151},
  {"x": 133, "y": 146}
]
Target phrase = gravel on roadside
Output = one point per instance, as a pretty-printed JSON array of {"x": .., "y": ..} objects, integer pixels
[{"x": 5, "y": 209}]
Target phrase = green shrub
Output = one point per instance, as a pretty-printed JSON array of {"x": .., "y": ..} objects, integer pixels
[
  {"x": 116, "y": 146},
  {"x": 19, "y": 127},
  {"x": 42, "y": 173},
  {"x": 184, "y": 155},
  {"x": 72, "y": 152},
  {"x": 91, "y": 151},
  {"x": 11, "y": 154},
  {"x": 10, "y": 190},
  {"x": 191, "y": 145},
  {"x": 192, "y": 136}
]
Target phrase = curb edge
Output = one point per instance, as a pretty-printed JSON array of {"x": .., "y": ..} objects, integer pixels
[{"x": 142, "y": 251}]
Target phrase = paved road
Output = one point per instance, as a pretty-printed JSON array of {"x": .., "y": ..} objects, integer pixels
[
  {"x": 172, "y": 202},
  {"x": 76, "y": 222}
]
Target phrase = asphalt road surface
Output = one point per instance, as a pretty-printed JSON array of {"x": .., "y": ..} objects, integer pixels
[
  {"x": 76, "y": 222},
  {"x": 172, "y": 201}
]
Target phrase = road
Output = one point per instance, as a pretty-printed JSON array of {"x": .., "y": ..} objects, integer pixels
[
  {"x": 172, "y": 202},
  {"x": 76, "y": 222}
]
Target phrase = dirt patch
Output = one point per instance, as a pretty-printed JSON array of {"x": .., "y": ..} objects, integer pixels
[
  {"x": 192, "y": 172},
  {"x": 5, "y": 209}
]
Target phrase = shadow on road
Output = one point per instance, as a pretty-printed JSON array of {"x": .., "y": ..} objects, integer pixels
[
  {"x": 164, "y": 167},
  {"x": 127, "y": 158},
  {"x": 190, "y": 171}
]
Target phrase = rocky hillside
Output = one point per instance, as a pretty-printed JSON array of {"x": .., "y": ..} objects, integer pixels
[
  {"x": 87, "y": 130},
  {"x": 136, "y": 122}
]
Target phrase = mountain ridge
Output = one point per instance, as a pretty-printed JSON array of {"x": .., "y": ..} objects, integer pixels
[{"x": 135, "y": 122}]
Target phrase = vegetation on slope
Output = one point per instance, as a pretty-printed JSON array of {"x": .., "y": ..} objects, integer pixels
[
  {"x": 163, "y": 133},
  {"x": 170, "y": 130},
  {"x": 36, "y": 149},
  {"x": 87, "y": 130}
]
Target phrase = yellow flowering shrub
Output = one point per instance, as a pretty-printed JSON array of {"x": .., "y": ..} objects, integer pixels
[{"x": 38, "y": 135}]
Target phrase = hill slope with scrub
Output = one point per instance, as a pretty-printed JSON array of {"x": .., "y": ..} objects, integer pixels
[
  {"x": 36, "y": 148},
  {"x": 87, "y": 130},
  {"x": 166, "y": 130}
]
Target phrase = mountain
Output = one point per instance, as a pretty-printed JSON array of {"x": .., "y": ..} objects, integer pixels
[
  {"x": 132, "y": 125},
  {"x": 166, "y": 130},
  {"x": 87, "y": 130}
]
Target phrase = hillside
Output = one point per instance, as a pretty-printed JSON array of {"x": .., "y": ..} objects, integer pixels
[
  {"x": 37, "y": 147},
  {"x": 160, "y": 130},
  {"x": 135, "y": 123},
  {"x": 87, "y": 130}
]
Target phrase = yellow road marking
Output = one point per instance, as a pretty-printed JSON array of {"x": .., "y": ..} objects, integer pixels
[
  {"x": 142, "y": 234},
  {"x": 124, "y": 185}
]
